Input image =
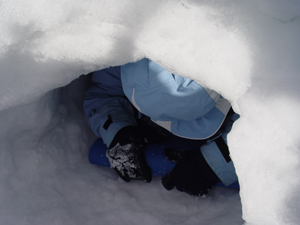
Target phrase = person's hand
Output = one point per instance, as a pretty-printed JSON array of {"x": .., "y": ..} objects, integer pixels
[
  {"x": 126, "y": 155},
  {"x": 191, "y": 174}
]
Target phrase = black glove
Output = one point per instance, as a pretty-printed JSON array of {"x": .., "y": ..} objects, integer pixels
[
  {"x": 191, "y": 174},
  {"x": 126, "y": 155}
]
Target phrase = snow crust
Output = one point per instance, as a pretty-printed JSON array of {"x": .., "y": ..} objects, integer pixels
[{"x": 248, "y": 51}]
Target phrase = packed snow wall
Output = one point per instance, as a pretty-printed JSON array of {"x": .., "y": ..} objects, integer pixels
[{"x": 247, "y": 50}]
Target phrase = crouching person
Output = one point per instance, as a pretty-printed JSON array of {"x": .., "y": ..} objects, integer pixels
[{"x": 179, "y": 106}]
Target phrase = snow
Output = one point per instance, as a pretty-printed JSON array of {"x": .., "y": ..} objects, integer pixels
[{"x": 247, "y": 50}]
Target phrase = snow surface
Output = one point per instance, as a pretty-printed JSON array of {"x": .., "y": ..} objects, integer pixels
[{"x": 247, "y": 50}]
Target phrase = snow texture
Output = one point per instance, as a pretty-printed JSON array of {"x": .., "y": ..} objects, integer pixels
[
  {"x": 247, "y": 50},
  {"x": 124, "y": 159}
]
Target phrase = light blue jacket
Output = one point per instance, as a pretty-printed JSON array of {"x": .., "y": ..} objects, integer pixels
[{"x": 178, "y": 104}]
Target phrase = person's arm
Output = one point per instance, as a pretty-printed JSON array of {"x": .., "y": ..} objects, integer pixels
[
  {"x": 196, "y": 172},
  {"x": 111, "y": 117},
  {"x": 105, "y": 105}
]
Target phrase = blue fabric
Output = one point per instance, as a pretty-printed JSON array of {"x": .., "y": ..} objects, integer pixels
[
  {"x": 188, "y": 107},
  {"x": 154, "y": 87},
  {"x": 224, "y": 170},
  {"x": 106, "y": 98}
]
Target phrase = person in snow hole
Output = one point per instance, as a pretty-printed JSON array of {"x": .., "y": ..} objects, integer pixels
[{"x": 141, "y": 103}]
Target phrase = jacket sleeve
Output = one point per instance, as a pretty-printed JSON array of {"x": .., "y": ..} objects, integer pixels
[
  {"x": 217, "y": 155},
  {"x": 105, "y": 105}
]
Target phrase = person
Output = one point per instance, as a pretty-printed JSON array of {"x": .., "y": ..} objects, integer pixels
[{"x": 122, "y": 96}]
